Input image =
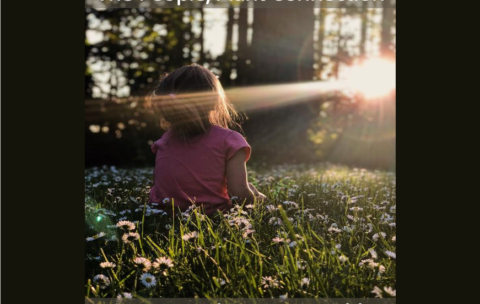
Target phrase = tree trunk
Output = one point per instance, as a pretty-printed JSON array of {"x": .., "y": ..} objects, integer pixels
[
  {"x": 243, "y": 48},
  {"x": 321, "y": 38},
  {"x": 201, "y": 40},
  {"x": 363, "y": 30},
  {"x": 386, "y": 36},
  {"x": 228, "y": 54},
  {"x": 282, "y": 45}
]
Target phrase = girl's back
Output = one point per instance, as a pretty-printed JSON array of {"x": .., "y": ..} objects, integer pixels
[
  {"x": 195, "y": 171},
  {"x": 198, "y": 157}
]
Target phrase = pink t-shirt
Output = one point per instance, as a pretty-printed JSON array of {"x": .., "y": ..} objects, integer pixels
[{"x": 195, "y": 171}]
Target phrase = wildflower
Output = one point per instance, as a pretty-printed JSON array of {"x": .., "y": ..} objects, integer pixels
[
  {"x": 394, "y": 238},
  {"x": 250, "y": 206},
  {"x": 167, "y": 262},
  {"x": 376, "y": 236},
  {"x": 290, "y": 203},
  {"x": 275, "y": 221},
  {"x": 373, "y": 253},
  {"x": 333, "y": 229},
  {"x": 130, "y": 237},
  {"x": 278, "y": 240},
  {"x": 166, "y": 200},
  {"x": 271, "y": 208},
  {"x": 378, "y": 292},
  {"x": 268, "y": 282},
  {"x": 247, "y": 232},
  {"x": 144, "y": 262},
  {"x": 390, "y": 291},
  {"x": 292, "y": 244},
  {"x": 305, "y": 282},
  {"x": 356, "y": 209},
  {"x": 301, "y": 264},
  {"x": 107, "y": 265},
  {"x": 343, "y": 258},
  {"x": 381, "y": 269},
  {"x": 283, "y": 297},
  {"x": 190, "y": 235},
  {"x": 126, "y": 225},
  {"x": 101, "y": 280},
  {"x": 168, "y": 226},
  {"x": 148, "y": 280},
  {"x": 368, "y": 263},
  {"x": 391, "y": 254},
  {"x": 124, "y": 295},
  {"x": 299, "y": 237},
  {"x": 393, "y": 209}
]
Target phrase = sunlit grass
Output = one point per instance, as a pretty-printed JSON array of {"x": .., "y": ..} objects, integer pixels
[{"x": 326, "y": 231}]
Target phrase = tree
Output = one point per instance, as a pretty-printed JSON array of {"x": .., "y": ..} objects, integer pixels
[{"x": 386, "y": 47}]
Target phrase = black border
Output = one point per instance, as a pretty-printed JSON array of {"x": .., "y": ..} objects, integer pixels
[{"x": 42, "y": 151}]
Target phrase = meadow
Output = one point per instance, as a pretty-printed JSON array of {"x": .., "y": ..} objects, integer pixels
[{"x": 324, "y": 231}]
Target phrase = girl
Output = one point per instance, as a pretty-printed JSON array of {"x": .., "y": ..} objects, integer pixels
[{"x": 199, "y": 160}]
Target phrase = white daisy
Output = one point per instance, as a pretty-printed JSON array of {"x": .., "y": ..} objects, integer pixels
[
  {"x": 166, "y": 200},
  {"x": 148, "y": 280},
  {"x": 143, "y": 262},
  {"x": 101, "y": 280},
  {"x": 343, "y": 258},
  {"x": 373, "y": 253},
  {"x": 394, "y": 238},
  {"x": 126, "y": 225},
  {"x": 292, "y": 244},
  {"x": 390, "y": 291},
  {"x": 378, "y": 292},
  {"x": 124, "y": 295},
  {"x": 283, "y": 297},
  {"x": 333, "y": 229},
  {"x": 271, "y": 208},
  {"x": 301, "y": 264},
  {"x": 107, "y": 265},
  {"x": 381, "y": 269},
  {"x": 167, "y": 262},
  {"x": 130, "y": 237},
  {"x": 247, "y": 232},
  {"x": 270, "y": 282},
  {"x": 377, "y": 235},
  {"x": 305, "y": 282},
  {"x": 391, "y": 254},
  {"x": 278, "y": 240},
  {"x": 190, "y": 235}
]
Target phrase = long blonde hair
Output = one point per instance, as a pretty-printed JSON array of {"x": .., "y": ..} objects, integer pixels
[{"x": 190, "y": 100}]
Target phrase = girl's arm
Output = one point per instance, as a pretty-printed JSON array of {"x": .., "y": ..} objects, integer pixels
[{"x": 237, "y": 183}]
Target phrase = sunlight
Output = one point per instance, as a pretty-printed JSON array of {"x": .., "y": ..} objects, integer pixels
[{"x": 373, "y": 78}]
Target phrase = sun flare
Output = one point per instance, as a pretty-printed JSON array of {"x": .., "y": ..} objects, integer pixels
[{"x": 373, "y": 78}]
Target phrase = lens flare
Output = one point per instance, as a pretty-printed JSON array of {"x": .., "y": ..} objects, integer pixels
[{"x": 373, "y": 78}]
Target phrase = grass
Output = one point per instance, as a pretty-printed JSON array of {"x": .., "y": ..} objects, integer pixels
[{"x": 327, "y": 231}]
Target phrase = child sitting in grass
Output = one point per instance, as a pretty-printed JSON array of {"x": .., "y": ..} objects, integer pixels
[{"x": 199, "y": 160}]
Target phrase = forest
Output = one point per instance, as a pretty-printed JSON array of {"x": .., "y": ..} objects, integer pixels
[{"x": 255, "y": 53}]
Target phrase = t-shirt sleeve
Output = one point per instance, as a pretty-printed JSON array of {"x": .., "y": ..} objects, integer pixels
[
  {"x": 234, "y": 142},
  {"x": 154, "y": 147}
]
